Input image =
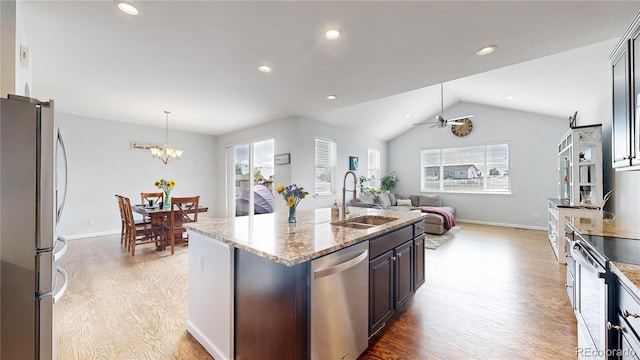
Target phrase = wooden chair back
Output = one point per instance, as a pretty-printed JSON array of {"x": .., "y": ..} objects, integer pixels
[
  {"x": 123, "y": 221},
  {"x": 155, "y": 196},
  {"x": 183, "y": 210},
  {"x": 139, "y": 233}
]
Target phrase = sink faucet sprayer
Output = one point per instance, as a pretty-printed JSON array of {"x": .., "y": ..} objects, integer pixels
[{"x": 345, "y": 211}]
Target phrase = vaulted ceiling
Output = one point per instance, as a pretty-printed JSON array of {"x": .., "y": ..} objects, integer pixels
[{"x": 199, "y": 59}]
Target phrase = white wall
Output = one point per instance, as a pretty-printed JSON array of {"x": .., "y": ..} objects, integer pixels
[
  {"x": 101, "y": 165},
  {"x": 533, "y": 163},
  {"x": 296, "y": 136}
]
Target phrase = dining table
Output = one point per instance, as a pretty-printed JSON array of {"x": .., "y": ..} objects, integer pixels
[{"x": 158, "y": 215}]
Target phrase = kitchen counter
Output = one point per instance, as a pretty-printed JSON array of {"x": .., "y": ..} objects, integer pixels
[
  {"x": 266, "y": 235},
  {"x": 629, "y": 274},
  {"x": 249, "y": 279},
  {"x": 606, "y": 227}
]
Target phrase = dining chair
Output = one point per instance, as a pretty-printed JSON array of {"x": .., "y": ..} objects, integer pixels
[
  {"x": 123, "y": 222},
  {"x": 183, "y": 210},
  {"x": 156, "y": 197},
  {"x": 139, "y": 233}
]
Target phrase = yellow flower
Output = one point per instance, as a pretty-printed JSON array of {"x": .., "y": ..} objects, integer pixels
[
  {"x": 291, "y": 200},
  {"x": 280, "y": 188},
  {"x": 172, "y": 184},
  {"x": 157, "y": 184}
]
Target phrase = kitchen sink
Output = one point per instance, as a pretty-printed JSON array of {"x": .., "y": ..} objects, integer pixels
[{"x": 365, "y": 222}]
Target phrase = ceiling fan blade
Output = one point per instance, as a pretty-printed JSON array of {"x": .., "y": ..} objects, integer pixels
[
  {"x": 454, "y": 123},
  {"x": 432, "y": 126},
  {"x": 460, "y": 118},
  {"x": 426, "y": 123}
]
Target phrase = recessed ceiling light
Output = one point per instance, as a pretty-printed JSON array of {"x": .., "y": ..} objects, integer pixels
[
  {"x": 331, "y": 97},
  {"x": 486, "y": 50},
  {"x": 510, "y": 97},
  {"x": 127, "y": 8},
  {"x": 264, "y": 69},
  {"x": 407, "y": 116},
  {"x": 332, "y": 34}
]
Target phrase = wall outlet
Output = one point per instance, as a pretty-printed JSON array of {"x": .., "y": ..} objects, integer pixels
[
  {"x": 91, "y": 221},
  {"x": 536, "y": 215},
  {"x": 25, "y": 56}
]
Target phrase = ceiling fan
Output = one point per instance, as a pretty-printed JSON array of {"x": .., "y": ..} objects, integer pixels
[{"x": 441, "y": 122}]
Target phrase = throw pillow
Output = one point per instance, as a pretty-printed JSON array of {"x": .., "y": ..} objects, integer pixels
[
  {"x": 430, "y": 200},
  {"x": 383, "y": 200},
  {"x": 404, "y": 202},
  {"x": 415, "y": 200},
  {"x": 366, "y": 199},
  {"x": 393, "y": 200}
]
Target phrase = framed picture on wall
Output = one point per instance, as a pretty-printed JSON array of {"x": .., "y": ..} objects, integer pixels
[
  {"x": 353, "y": 163},
  {"x": 282, "y": 159}
]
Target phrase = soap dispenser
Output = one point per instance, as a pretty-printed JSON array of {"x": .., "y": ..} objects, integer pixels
[{"x": 335, "y": 210}]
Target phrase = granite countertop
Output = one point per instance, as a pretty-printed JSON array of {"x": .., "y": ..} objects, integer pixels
[
  {"x": 267, "y": 235},
  {"x": 606, "y": 227},
  {"x": 628, "y": 274}
]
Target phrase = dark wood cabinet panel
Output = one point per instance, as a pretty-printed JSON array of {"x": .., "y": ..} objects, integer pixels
[
  {"x": 270, "y": 308},
  {"x": 403, "y": 273},
  {"x": 380, "y": 291},
  {"x": 419, "y": 264}
]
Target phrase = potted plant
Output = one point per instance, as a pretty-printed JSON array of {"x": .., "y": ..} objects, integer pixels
[{"x": 388, "y": 182}]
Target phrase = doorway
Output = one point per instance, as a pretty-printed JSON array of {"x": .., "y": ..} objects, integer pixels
[{"x": 250, "y": 176}]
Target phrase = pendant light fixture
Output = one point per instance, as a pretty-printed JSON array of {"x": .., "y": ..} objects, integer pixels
[{"x": 165, "y": 153}]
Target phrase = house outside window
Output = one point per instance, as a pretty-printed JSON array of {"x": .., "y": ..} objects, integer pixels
[
  {"x": 325, "y": 166},
  {"x": 373, "y": 168},
  {"x": 482, "y": 169}
]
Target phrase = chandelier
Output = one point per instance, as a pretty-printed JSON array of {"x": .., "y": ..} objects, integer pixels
[{"x": 165, "y": 153}]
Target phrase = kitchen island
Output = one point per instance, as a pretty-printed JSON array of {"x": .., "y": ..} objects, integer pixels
[{"x": 251, "y": 282}]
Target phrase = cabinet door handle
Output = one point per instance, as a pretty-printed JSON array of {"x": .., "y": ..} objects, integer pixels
[
  {"x": 399, "y": 255},
  {"x": 393, "y": 258},
  {"x": 417, "y": 244},
  {"x": 610, "y": 326},
  {"x": 627, "y": 314}
]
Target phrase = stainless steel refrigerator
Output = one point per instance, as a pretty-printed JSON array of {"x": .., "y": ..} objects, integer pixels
[{"x": 33, "y": 173}]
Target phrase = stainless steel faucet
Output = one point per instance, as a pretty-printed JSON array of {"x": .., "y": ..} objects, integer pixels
[{"x": 345, "y": 211}]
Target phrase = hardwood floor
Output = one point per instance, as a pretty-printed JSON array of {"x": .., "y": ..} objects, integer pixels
[{"x": 491, "y": 293}]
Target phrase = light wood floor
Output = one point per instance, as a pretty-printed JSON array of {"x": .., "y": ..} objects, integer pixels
[{"x": 491, "y": 293}]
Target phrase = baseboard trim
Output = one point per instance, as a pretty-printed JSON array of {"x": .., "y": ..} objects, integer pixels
[
  {"x": 516, "y": 226},
  {"x": 206, "y": 343},
  {"x": 90, "y": 235}
]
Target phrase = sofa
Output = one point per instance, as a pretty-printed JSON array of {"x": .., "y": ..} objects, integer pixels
[{"x": 434, "y": 222}]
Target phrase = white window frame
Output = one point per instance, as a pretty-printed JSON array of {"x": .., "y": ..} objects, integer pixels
[
  {"x": 485, "y": 190},
  {"x": 373, "y": 168},
  {"x": 331, "y": 166}
]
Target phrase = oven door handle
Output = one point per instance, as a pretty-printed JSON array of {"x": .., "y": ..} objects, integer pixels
[{"x": 580, "y": 259}]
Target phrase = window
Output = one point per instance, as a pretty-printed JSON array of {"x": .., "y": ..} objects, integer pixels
[
  {"x": 468, "y": 169},
  {"x": 325, "y": 164},
  {"x": 373, "y": 168}
]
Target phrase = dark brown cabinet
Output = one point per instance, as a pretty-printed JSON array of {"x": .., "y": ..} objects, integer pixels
[
  {"x": 380, "y": 291},
  {"x": 396, "y": 270},
  {"x": 419, "y": 264},
  {"x": 627, "y": 317},
  {"x": 626, "y": 88}
]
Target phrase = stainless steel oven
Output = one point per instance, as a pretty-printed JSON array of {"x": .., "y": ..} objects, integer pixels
[{"x": 591, "y": 302}]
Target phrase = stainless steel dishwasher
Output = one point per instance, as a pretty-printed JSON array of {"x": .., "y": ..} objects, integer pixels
[{"x": 340, "y": 303}]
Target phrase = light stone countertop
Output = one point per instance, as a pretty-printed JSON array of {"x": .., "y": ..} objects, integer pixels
[
  {"x": 607, "y": 228},
  {"x": 629, "y": 274},
  {"x": 266, "y": 235}
]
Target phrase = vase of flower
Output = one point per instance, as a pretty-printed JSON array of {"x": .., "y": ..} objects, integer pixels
[
  {"x": 292, "y": 194},
  {"x": 166, "y": 186},
  {"x": 292, "y": 220}
]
